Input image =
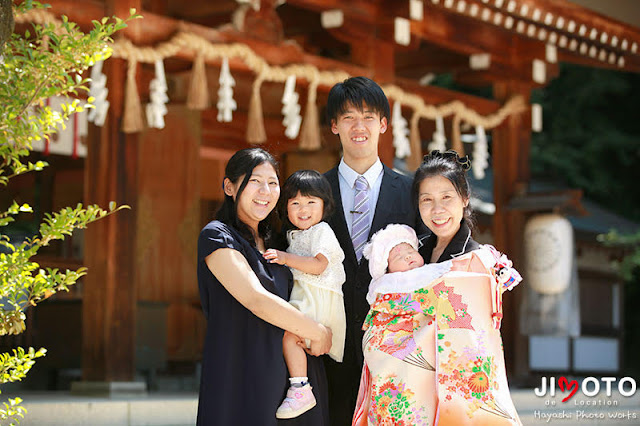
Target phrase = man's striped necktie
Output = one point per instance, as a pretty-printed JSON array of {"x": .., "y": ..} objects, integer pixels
[{"x": 360, "y": 224}]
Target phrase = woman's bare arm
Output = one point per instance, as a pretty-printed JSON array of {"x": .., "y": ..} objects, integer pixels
[{"x": 235, "y": 274}]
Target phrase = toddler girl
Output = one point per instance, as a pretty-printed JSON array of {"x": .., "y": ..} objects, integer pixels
[{"x": 315, "y": 258}]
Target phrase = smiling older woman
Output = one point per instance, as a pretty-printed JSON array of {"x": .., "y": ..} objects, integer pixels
[
  {"x": 432, "y": 345},
  {"x": 244, "y": 299}
]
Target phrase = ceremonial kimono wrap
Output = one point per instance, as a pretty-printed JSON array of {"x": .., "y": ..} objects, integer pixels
[{"x": 432, "y": 345}]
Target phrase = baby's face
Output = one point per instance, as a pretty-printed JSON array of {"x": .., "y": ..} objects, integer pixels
[{"x": 403, "y": 257}]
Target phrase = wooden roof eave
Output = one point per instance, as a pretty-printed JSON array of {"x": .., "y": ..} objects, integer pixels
[
  {"x": 438, "y": 27},
  {"x": 367, "y": 10},
  {"x": 589, "y": 37},
  {"x": 438, "y": 95},
  {"x": 510, "y": 54},
  {"x": 581, "y": 15},
  {"x": 504, "y": 20},
  {"x": 568, "y": 201},
  {"x": 631, "y": 63},
  {"x": 153, "y": 29}
]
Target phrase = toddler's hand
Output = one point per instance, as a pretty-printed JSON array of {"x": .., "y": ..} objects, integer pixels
[{"x": 275, "y": 256}]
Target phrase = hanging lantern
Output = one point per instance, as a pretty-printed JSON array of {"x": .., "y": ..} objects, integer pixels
[{"x": 548, "y": 243}]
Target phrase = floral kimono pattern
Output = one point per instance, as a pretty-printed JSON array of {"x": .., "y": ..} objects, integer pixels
[{"x": 434, "y": 355}]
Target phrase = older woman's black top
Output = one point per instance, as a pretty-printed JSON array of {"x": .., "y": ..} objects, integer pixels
[
  {"x": 244, "y": 376},
  {"x": 460, "y": 244}
]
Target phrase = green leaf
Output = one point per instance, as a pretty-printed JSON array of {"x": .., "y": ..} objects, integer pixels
[{"x": 28, "y": 75}]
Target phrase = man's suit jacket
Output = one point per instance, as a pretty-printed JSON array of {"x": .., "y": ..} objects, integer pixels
[{"x": 394, "y": 205}]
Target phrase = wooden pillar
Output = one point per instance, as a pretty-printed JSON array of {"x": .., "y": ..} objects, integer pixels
[
  {"x": 109, "y": 290},
  {"x": 511, "y": 173},
  {"x": 168, "y": 217},
  {"x": 378, "y": 56},
  {"x": 159, "y": 7}
]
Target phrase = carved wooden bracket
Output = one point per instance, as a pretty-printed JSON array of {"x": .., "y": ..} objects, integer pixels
[{"x": 261, "y": 22}]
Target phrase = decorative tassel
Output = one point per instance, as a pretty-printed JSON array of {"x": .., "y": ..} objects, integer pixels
[
  {"x": 455, "y": 136},
  {"x": 400, "y": 132},
  {"x": 439, "y": 139},
  {"x": 536, "y": 117},
  {"x": 291, "y": 109},
  {"x": 132, "y": 120},
  {"x": 226, "y": 104},
  {"x": 198, "y": 97},
  {"x": 98, "y": 90},
  {"x": 414, "y": 160},
  {"x": 310, "y": 133},
  {"x": 256, "y": 133},
  {"x": 157, "y": 109},
  {"x": 480, "y": 153}
]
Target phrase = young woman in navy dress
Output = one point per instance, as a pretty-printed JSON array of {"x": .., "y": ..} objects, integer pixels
[{"x": 244, "y": 299}]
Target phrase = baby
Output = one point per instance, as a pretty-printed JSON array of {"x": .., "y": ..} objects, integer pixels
[
  {"x": 459, "y": 343},
  {"x": 396, "y": 266},
  {"x": 392, "y": 250},
  {"x": 403, "y": 257}
]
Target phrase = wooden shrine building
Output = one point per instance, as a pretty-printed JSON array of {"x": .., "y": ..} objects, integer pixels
[{"x": 169, "y": 167}]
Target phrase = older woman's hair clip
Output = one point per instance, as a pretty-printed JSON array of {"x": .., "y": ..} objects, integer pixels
[{"x": 464, "y": 162}]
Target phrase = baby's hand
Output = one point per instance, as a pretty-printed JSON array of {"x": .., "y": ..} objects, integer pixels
[{"x": 275, "y": 256}]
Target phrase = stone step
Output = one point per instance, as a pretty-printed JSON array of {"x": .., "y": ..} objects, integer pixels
[
  {"x": 63, "y": 409},
  {"x": 178, "y": 409}
]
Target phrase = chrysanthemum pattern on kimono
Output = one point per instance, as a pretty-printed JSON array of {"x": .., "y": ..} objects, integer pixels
[
  {"x": 393, "y": 403},
  {"x": 433, "y": 356}
]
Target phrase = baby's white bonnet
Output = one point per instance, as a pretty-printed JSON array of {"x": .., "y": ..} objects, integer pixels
[{"x": 382, "y": 242}]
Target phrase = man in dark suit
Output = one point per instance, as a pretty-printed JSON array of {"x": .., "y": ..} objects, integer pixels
[{"x": 368, "y": 196}]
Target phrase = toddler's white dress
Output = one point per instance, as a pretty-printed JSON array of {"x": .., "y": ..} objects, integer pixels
[{"x": 320, "y": 296}]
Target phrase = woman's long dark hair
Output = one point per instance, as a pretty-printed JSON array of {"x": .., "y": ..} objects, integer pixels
[
  {"x": 448, "y": 165},
  {"x": 241, "y": 165}
]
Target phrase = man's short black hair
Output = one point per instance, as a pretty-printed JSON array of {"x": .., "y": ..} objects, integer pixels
[{"x": 357, "y": 91}]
